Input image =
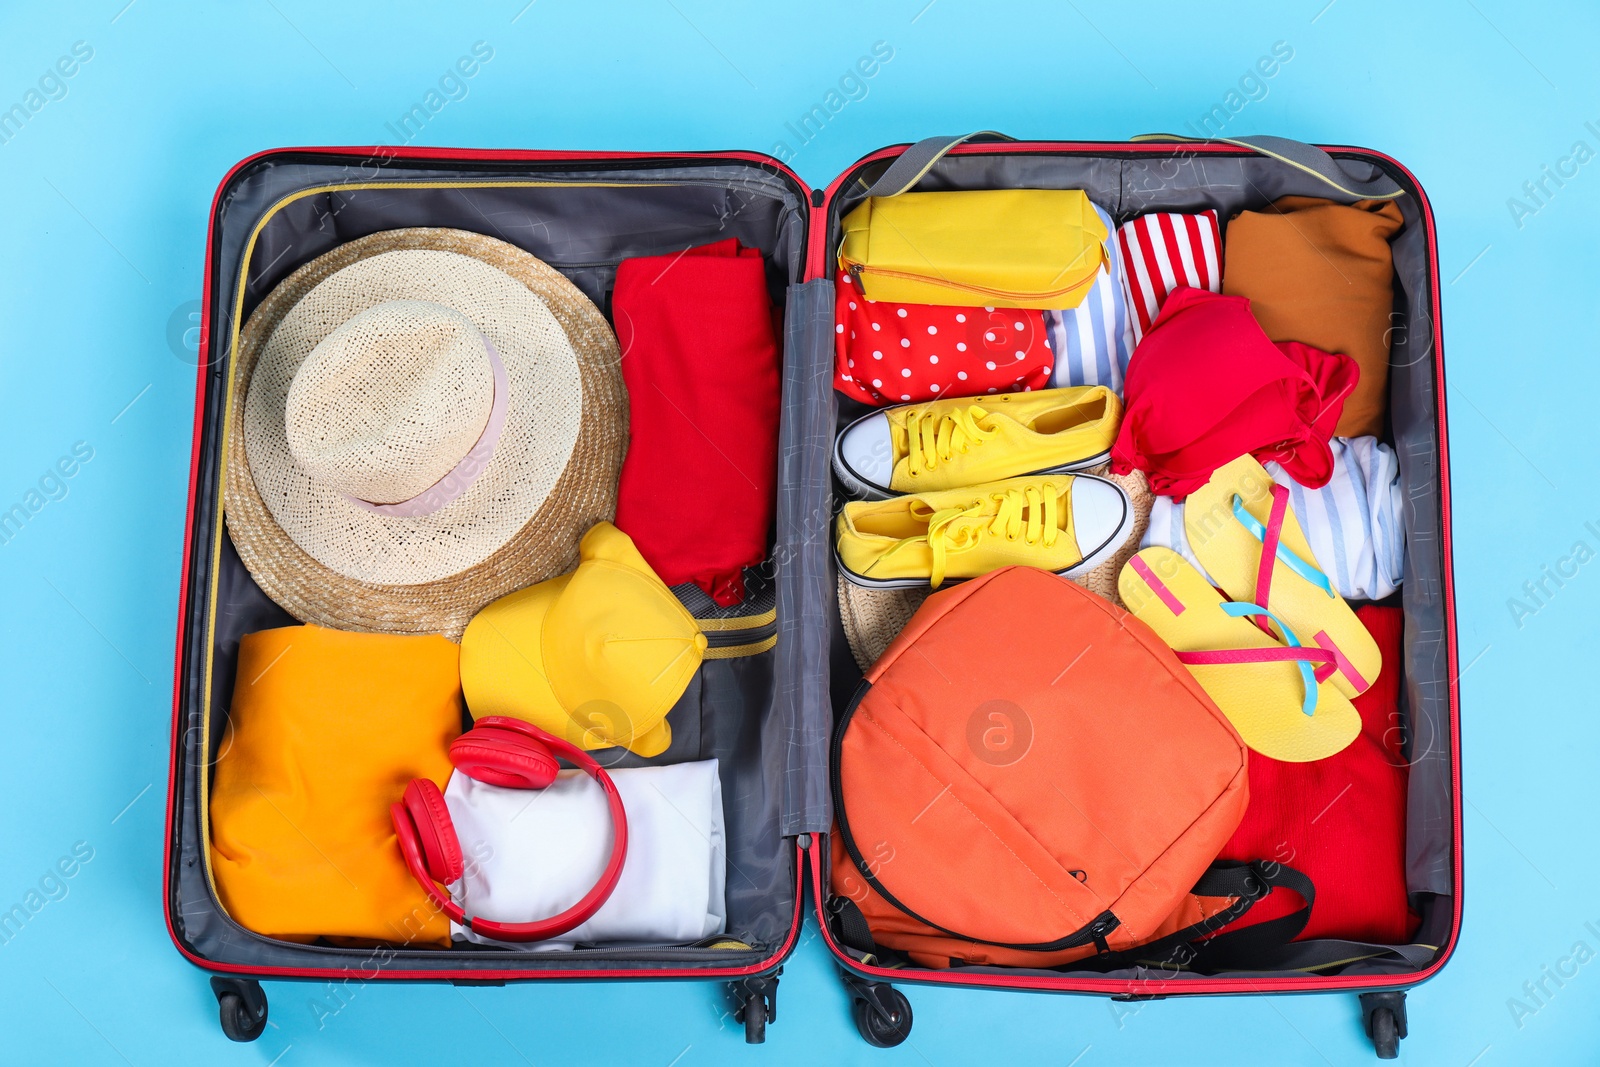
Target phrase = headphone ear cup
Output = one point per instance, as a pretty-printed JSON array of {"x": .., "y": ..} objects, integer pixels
[
  {"x": 435, "y": 833},
  {"x": 502, "y": 757}
]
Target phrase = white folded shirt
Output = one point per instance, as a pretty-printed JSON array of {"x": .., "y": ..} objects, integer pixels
[{"x": 532, "y": 853}]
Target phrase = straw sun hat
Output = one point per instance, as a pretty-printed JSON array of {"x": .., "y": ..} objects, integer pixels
[{"x": 421, "y": 421}]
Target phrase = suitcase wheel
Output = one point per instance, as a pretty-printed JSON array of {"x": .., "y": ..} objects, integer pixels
[
  {"x": 755, "y": 1019},
  {"x": 241, "y": 1007},
  {"x": 756, "y": 1005},
  {"x": 1384, "y": 1017},
  {"x": 882, "y": 1013}
]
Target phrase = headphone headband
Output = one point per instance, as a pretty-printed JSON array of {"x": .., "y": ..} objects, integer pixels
[{"x": 511, "y": 753}]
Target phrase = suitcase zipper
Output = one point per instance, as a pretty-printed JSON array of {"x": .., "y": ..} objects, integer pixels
[{"x": 1095, "y": 932}]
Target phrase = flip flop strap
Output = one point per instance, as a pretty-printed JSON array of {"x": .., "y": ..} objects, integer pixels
[
  {"x": 1270, "y": 539},
  {"x": 1280, "y": 553},
  {"x": 1270, "y": 545},
  {"x": 1296, "y": 653}
]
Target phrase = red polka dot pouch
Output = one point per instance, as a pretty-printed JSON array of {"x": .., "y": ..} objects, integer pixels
[{"x": 887, "y": 353}]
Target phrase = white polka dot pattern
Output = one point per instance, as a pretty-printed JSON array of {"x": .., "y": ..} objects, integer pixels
[{"x": 935, "y": 350}]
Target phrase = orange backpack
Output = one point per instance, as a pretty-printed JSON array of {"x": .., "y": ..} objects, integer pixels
[{"x": 1027, "y": 777}]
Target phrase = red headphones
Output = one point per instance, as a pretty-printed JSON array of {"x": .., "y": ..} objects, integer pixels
[{"x": 507, "y": 752}]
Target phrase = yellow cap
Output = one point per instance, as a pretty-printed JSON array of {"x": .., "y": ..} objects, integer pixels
[{"x": 598, "y": 656}]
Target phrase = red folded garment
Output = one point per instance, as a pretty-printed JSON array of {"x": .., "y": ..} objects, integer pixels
[
  {"x": 1340, "y": 820},
  {"x": 700, "y": 359},
  {"x": 1206, "y": 385}
]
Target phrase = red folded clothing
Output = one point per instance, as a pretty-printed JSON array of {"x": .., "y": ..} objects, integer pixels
[
  {"x": 1206, "y": 385},
  {"x": 700, "y": 359},
  {"x": 1341, "y": 820}
]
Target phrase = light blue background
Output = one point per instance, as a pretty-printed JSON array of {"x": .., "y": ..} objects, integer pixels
[{"x": 105, "y": 195}]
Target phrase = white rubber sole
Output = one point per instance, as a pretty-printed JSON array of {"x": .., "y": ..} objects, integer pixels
[
  {"x": 1088, "y": 563},
  {"x": 857, "y": 489}
]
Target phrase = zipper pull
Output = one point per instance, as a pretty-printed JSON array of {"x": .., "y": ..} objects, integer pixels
[{"x": 1103, "y": 925}]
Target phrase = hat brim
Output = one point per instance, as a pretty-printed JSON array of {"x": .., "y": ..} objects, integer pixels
[{"x": 517, "y": 530}]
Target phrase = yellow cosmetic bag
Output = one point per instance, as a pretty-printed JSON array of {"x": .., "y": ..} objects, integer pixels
[{"x": 1019, "y": 248}]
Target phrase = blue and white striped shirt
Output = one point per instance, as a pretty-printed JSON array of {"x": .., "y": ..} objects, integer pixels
[{"x": 1093, "y": 341}]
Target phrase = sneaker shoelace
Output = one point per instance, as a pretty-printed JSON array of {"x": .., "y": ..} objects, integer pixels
[
  {"x": 1031, "y": 514},
  {"x": 933, "y": 438}
]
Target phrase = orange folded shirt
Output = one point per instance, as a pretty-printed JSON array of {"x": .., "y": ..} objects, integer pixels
[
  {"x": 1322, "y": 274},
  {"x": 325, "y": 730}
]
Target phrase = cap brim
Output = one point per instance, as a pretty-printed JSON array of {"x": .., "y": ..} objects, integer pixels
[{"x": 652, "y": 742}]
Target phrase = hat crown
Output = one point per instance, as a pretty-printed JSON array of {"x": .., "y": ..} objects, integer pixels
[{"x": 389, "y": 402}]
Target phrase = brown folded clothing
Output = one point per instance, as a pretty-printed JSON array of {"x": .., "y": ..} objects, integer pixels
[{"x": 1321, "y": 273}]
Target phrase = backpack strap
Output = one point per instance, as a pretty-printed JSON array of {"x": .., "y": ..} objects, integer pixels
[
  {"x": 1267, "y": 950},
  {"x": 1247, "y": 883},
  {"x": 850, "y": 926},
  {"x": 1319, "y": 954}
]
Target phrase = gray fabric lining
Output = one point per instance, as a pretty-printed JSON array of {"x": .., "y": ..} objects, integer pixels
[
  {"x": 731, "y": 711},
  {"x": 1425, "y": 699},
  {"x": 804, "y": 560},
  {"x": 1188, "y": 182}
]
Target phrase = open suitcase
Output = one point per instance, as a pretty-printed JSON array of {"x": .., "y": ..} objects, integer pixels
[{"x": 765, "y": 705}]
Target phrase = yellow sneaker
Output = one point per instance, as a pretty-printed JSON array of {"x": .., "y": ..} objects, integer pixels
[
  {"x": 1063, "y": 523},
  {"x": 946, "y": 444}
]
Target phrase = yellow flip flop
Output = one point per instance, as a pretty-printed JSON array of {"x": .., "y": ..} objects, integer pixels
[
  {"x": 1228, "y": 523},
  {"x": 1266, "y": 687}
]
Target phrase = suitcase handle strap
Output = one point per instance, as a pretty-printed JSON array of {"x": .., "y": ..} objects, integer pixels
[
  {"x": 909, "y": 167},
  {"x": 915, "y": 162},
  {"x": 1308, "y": 159}
]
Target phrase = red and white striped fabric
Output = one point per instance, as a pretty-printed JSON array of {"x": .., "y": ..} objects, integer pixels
[{"x": 1164, "y": 251}]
